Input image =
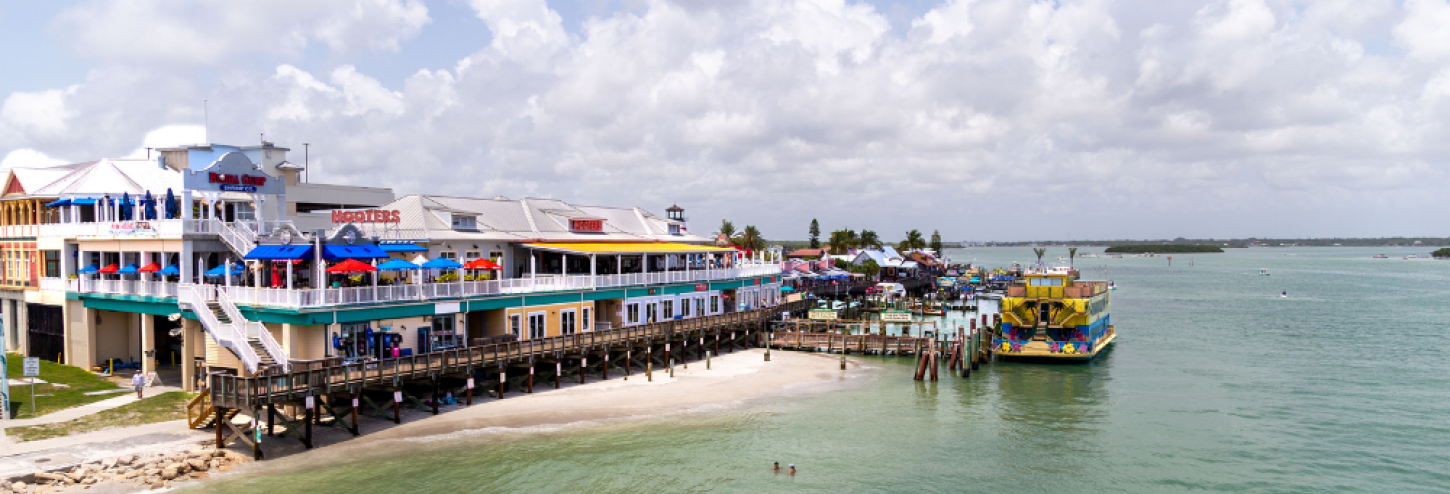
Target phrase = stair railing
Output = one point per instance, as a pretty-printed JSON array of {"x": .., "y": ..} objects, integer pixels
[
  {"x": 253, "y": 329},
  {"x": 239, "y": 242},
  {"x": 225, "y": 335}
]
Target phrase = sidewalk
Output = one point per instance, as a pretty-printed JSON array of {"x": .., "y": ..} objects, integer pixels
[{"x": 84, "y": 410}]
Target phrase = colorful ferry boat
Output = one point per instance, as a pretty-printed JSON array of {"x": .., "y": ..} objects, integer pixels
[{"x": 1051, "y": 315}]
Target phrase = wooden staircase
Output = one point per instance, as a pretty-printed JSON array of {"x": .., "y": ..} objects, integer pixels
[{"x": 200, "y": 414}]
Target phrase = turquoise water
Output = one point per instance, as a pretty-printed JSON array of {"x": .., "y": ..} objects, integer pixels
[{"x": 1216, "y": 383}]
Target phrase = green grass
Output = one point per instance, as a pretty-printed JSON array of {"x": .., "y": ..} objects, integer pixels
[
  {"x": 159, "y": 408},
  {"x": 1162, "y": 249},
  {"x": 77, "y": 383}
]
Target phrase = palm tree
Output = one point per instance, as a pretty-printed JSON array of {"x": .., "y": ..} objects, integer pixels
[
  {"x": 751, "y": 239},
  {"x": 1039, "y": 253},
  {"x": 913, "y": 241},
  {"x": 727, "y": 229},
  {"x": 869, "y": 239},
  {"x": 1071, "y": 256},
  {"x": 843, "y": 240}
]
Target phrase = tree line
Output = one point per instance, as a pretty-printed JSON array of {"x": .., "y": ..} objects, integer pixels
[{"x": 843, "y": 240}]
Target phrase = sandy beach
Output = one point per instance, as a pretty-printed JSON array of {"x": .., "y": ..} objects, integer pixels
[{"x": 731, "y": 379}]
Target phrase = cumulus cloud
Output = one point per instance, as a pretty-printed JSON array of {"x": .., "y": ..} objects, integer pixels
[
  {"x": 985, "y": 118},
  {"x": 215, "y": 32}
]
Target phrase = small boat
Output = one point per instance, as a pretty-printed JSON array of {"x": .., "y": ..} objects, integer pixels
[
  {"x": 1381, "y": 256},
  {"x": 1284, "y": 294},
  {"x": 1263, "y": 272},
  {"x": 1112, "y": 286}
]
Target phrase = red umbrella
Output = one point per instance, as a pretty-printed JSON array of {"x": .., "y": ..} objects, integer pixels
[
  {"x": 150, "y": 268},
  {"x": 481, "y": 264},
  {"x": 276, "y": 277},
  {"x": 111, "y": 269},
  {"x": 352, "y": 266}
]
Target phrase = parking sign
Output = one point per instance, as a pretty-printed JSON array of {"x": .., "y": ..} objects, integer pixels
[{"x": 31, "y": 367}]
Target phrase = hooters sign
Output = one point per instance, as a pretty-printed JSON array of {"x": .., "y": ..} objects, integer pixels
[
  {"x": 366, "y": 216},
  {"x": 586, "y": 225}
]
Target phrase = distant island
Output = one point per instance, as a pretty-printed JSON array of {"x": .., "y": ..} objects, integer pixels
[
  {"x": 1162, "y": 249},
  {"x": 1442, "y": 253}
]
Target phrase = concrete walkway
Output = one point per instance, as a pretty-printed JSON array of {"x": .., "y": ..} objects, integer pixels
[{"x": 84, "y": 410}]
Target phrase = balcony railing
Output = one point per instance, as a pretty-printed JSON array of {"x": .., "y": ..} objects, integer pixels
[{"x": 329, "y": 297}]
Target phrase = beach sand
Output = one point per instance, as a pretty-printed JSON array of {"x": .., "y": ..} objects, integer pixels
[{"x": 732, "y": 379}]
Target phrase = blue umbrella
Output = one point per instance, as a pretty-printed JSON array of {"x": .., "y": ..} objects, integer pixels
[
  {"x": 89, "y": 269},
  {"x": 172, "y": 206},
  {"x": 125, "y": 206},
  {"x": 169, "y": 270},
  {"x": 442, "y": 263},
  {"x": 220, "y": 270},
  {"x": 150, "y": 203},
  {"x": 129, "y": 269},
  {"x": 397, "y": 265}
]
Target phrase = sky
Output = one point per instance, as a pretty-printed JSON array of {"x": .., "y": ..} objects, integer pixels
[{"x": 983, "y": 119}]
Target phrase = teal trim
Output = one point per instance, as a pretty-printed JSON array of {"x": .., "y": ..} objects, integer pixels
[{"x": 133, "y": 306}]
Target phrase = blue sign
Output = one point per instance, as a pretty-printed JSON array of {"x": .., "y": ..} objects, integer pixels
[{"x": 239, "y": 188}]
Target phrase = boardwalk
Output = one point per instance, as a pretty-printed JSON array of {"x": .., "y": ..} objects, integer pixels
[{"x": 340, "y": 390}]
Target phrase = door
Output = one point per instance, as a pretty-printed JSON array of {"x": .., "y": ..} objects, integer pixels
[
  {"x": 516, "y": 325},
  {"x": 46, "y": 331},
  {"x": 631, "y": 313},
  {"x": 652, "y": 312},
  {"x": 536, "y": 325},
  {"x": 568, "y": 322}
]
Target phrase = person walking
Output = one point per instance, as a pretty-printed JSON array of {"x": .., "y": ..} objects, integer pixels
[{"x": 138, "y": 381}]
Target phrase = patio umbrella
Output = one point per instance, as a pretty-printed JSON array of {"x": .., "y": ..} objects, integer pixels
[
  {"x": 150, "y": 268},
  {"x": 150, "y": 206},
  {"x": 397, "y": 265},
  {"x": 481, "y": 264},
  {"x": 442, "y": 263},
  {"x": 352, "y": 266},
  {"x": 125, "y": 206},
  {"x": 172, "y": 207},
  {"x": 129, "y": 269},
  {"x": 220, "y": 270},
  {"x": 169, "y": 270},
  {"x": 110, "y": 269},
  {"x": 89, "y": 269}
]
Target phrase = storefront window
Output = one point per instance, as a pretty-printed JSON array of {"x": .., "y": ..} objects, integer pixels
[
  {"x": 714, "y": 304},
  {"x": 515, "y": 324},
  {"x": 584, "y": 320},
  {"x": 568, "y": 322},
  {"x": 536, "y": 325},
  {"x": 669, "y": 307},
  {"x": 354, "y": 341},
  {"x": 632, "y": 313}
]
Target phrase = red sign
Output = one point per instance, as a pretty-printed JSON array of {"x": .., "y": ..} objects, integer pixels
[
  {"x": 586, "y": 225},
  {"x": 366, "y": 216},
  {"x": 230, "y": 179},
  {"x": 702, "y": 287}
]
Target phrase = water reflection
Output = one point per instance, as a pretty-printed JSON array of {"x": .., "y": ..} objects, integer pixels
[{"x": 1053, "y": 415}]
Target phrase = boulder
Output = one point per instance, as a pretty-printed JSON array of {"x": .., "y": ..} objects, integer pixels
[
  {"x": 18, "y": 487},
  {"x": 110, "y": 462},
  {"x": 49, "y": 477},
  {"x": 126, "y": 460},
  {"x": 197, "y": 464},
  {"x": 169, "y": 473},
  {"x": 157, "y": 485}
]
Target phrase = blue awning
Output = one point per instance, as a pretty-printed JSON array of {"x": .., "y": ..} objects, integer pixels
[
  {"x": 279, "y": 253},
  {"x": 82, "y": 202},
  {"x": 367, "y": 251},
  {"x": 129, "y": 269},
  {"x": 402, "y": 248},
  {"x": 58, "y": 203}
]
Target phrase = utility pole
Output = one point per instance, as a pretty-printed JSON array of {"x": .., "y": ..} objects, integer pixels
[{"x": 306, "y": 164}]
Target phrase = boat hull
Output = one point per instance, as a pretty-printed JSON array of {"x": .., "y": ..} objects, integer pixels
[{"x": 1051, "y": 351}]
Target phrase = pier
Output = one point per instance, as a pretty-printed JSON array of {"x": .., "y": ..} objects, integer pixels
[{"x": 299, "y": 399}]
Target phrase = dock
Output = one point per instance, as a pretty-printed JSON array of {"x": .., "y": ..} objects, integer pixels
[{"x": 299, "y": 398}]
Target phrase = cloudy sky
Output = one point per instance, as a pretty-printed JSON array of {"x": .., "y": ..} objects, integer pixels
[{"x": 986, "y": 119}]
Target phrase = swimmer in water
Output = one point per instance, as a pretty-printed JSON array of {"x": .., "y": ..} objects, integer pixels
[
  {"x": 792, "y": 469},
  {"x": 777, "y": 466}
]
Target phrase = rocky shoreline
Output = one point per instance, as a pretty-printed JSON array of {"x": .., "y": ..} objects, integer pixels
[{"x": 136, "y": 471}]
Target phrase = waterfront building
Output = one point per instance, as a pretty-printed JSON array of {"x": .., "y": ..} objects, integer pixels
[{"x": 222, "y": 259}]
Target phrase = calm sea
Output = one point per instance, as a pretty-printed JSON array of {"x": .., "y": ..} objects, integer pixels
[{"x": 1216, "y": 383}]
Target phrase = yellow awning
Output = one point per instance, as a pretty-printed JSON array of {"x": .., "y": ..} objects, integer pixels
[{"x": 628, "y": 248}]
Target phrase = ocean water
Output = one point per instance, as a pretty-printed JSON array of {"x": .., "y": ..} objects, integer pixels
[{"x": 1216, "y": 383}]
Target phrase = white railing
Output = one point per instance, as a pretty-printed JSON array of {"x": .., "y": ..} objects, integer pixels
[
  {"x": 240, "y": 243},
  {"x": 55, "y": 284},
  {"x": 225, "y": 335},
  {"x": 327, "y": 297},
  {"x": 115, "y": 229},
  {"x": 254, "y": 330}
]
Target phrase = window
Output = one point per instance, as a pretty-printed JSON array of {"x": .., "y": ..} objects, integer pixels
[
  {"x": 536, "y": 325},
  {"x": 495, "y": 256},
  {"x": 631, "y": 313},
  {"x": 471, "y": 255},
  {"x": 584, "y": 320},
  {"x": 685, "y": 307},
  {"x": 669, "y": 310},
  {"x": 700, "y": 306},
  {"x": 568, "y": 322},
  {"x": 52, "y": 264},
  {"x": 448, "y": 254},
  {"x": 515, "y": 324},
  {"x": 461, "y": 222},
  {"x": 652, "y": 312},
  {"x": 714, "y": 304},
  {"x": 674, "y": 229}
]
